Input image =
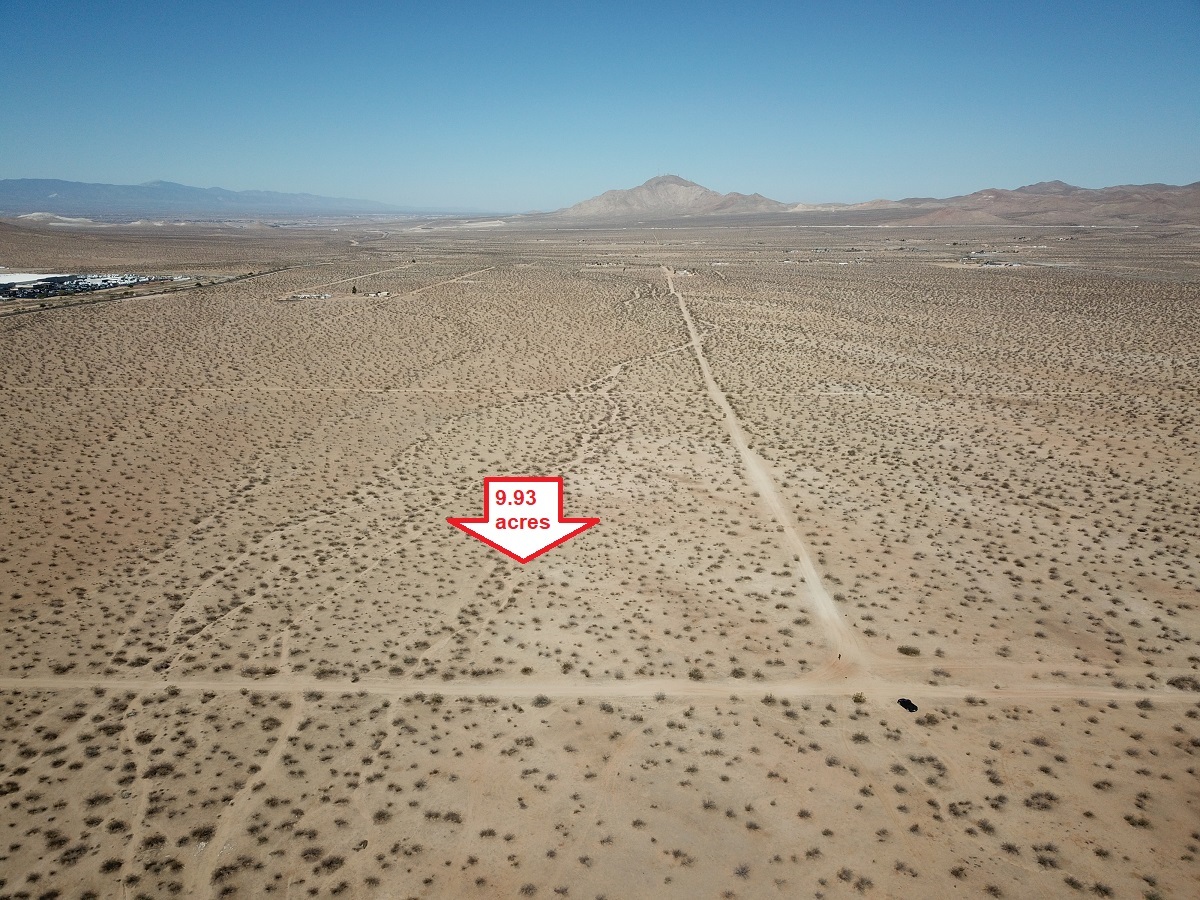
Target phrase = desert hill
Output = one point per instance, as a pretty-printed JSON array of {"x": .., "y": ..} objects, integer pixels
[
  {"x": 1055, "y": 203},
  {"x": 668, "y": 196}
]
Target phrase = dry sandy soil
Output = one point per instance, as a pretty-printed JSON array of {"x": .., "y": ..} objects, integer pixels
[{"x": 243, "y": 654}]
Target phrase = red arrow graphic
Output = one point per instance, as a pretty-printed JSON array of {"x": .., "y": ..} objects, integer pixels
[{"x": 523, "y": 516}]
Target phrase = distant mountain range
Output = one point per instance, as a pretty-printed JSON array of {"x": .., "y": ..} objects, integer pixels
[
  {"x": 1046, "y": 203},
  {"x": 664, "y": 198},
  {"x": 23, "y": 196}
]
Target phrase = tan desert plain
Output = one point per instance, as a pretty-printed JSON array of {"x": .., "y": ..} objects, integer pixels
[{"x": 242, "y": 653}]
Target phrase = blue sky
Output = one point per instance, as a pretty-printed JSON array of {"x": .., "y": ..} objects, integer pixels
[{"x": 517, "y": 106}]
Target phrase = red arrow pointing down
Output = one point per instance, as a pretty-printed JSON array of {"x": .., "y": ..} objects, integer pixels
[{"x": 523, "y": 516}]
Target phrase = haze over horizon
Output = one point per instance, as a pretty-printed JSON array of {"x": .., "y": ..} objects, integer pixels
[{"x": 523, "y": 108}]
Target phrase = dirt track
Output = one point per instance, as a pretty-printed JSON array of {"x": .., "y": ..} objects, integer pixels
[{"x": 844, "y": 644}]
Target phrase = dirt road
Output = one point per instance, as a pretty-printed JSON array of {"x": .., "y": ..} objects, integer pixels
[{"x": 843, "y": 642}]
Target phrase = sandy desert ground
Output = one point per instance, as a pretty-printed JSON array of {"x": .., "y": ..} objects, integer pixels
[{"x": 243, "y": 654}]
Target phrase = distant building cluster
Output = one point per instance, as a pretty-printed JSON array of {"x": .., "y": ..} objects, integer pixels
[
  {"x": 64, "y": 285},
  {"x": 984, "y": 258},
  {"x": 308, "y": 296}
]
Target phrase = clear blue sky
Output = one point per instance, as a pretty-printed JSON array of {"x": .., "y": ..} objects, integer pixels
[{"x": 516, "y": 106}]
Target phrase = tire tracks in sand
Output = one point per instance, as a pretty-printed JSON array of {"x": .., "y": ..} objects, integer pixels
[{"x": 205, "y": 861}]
